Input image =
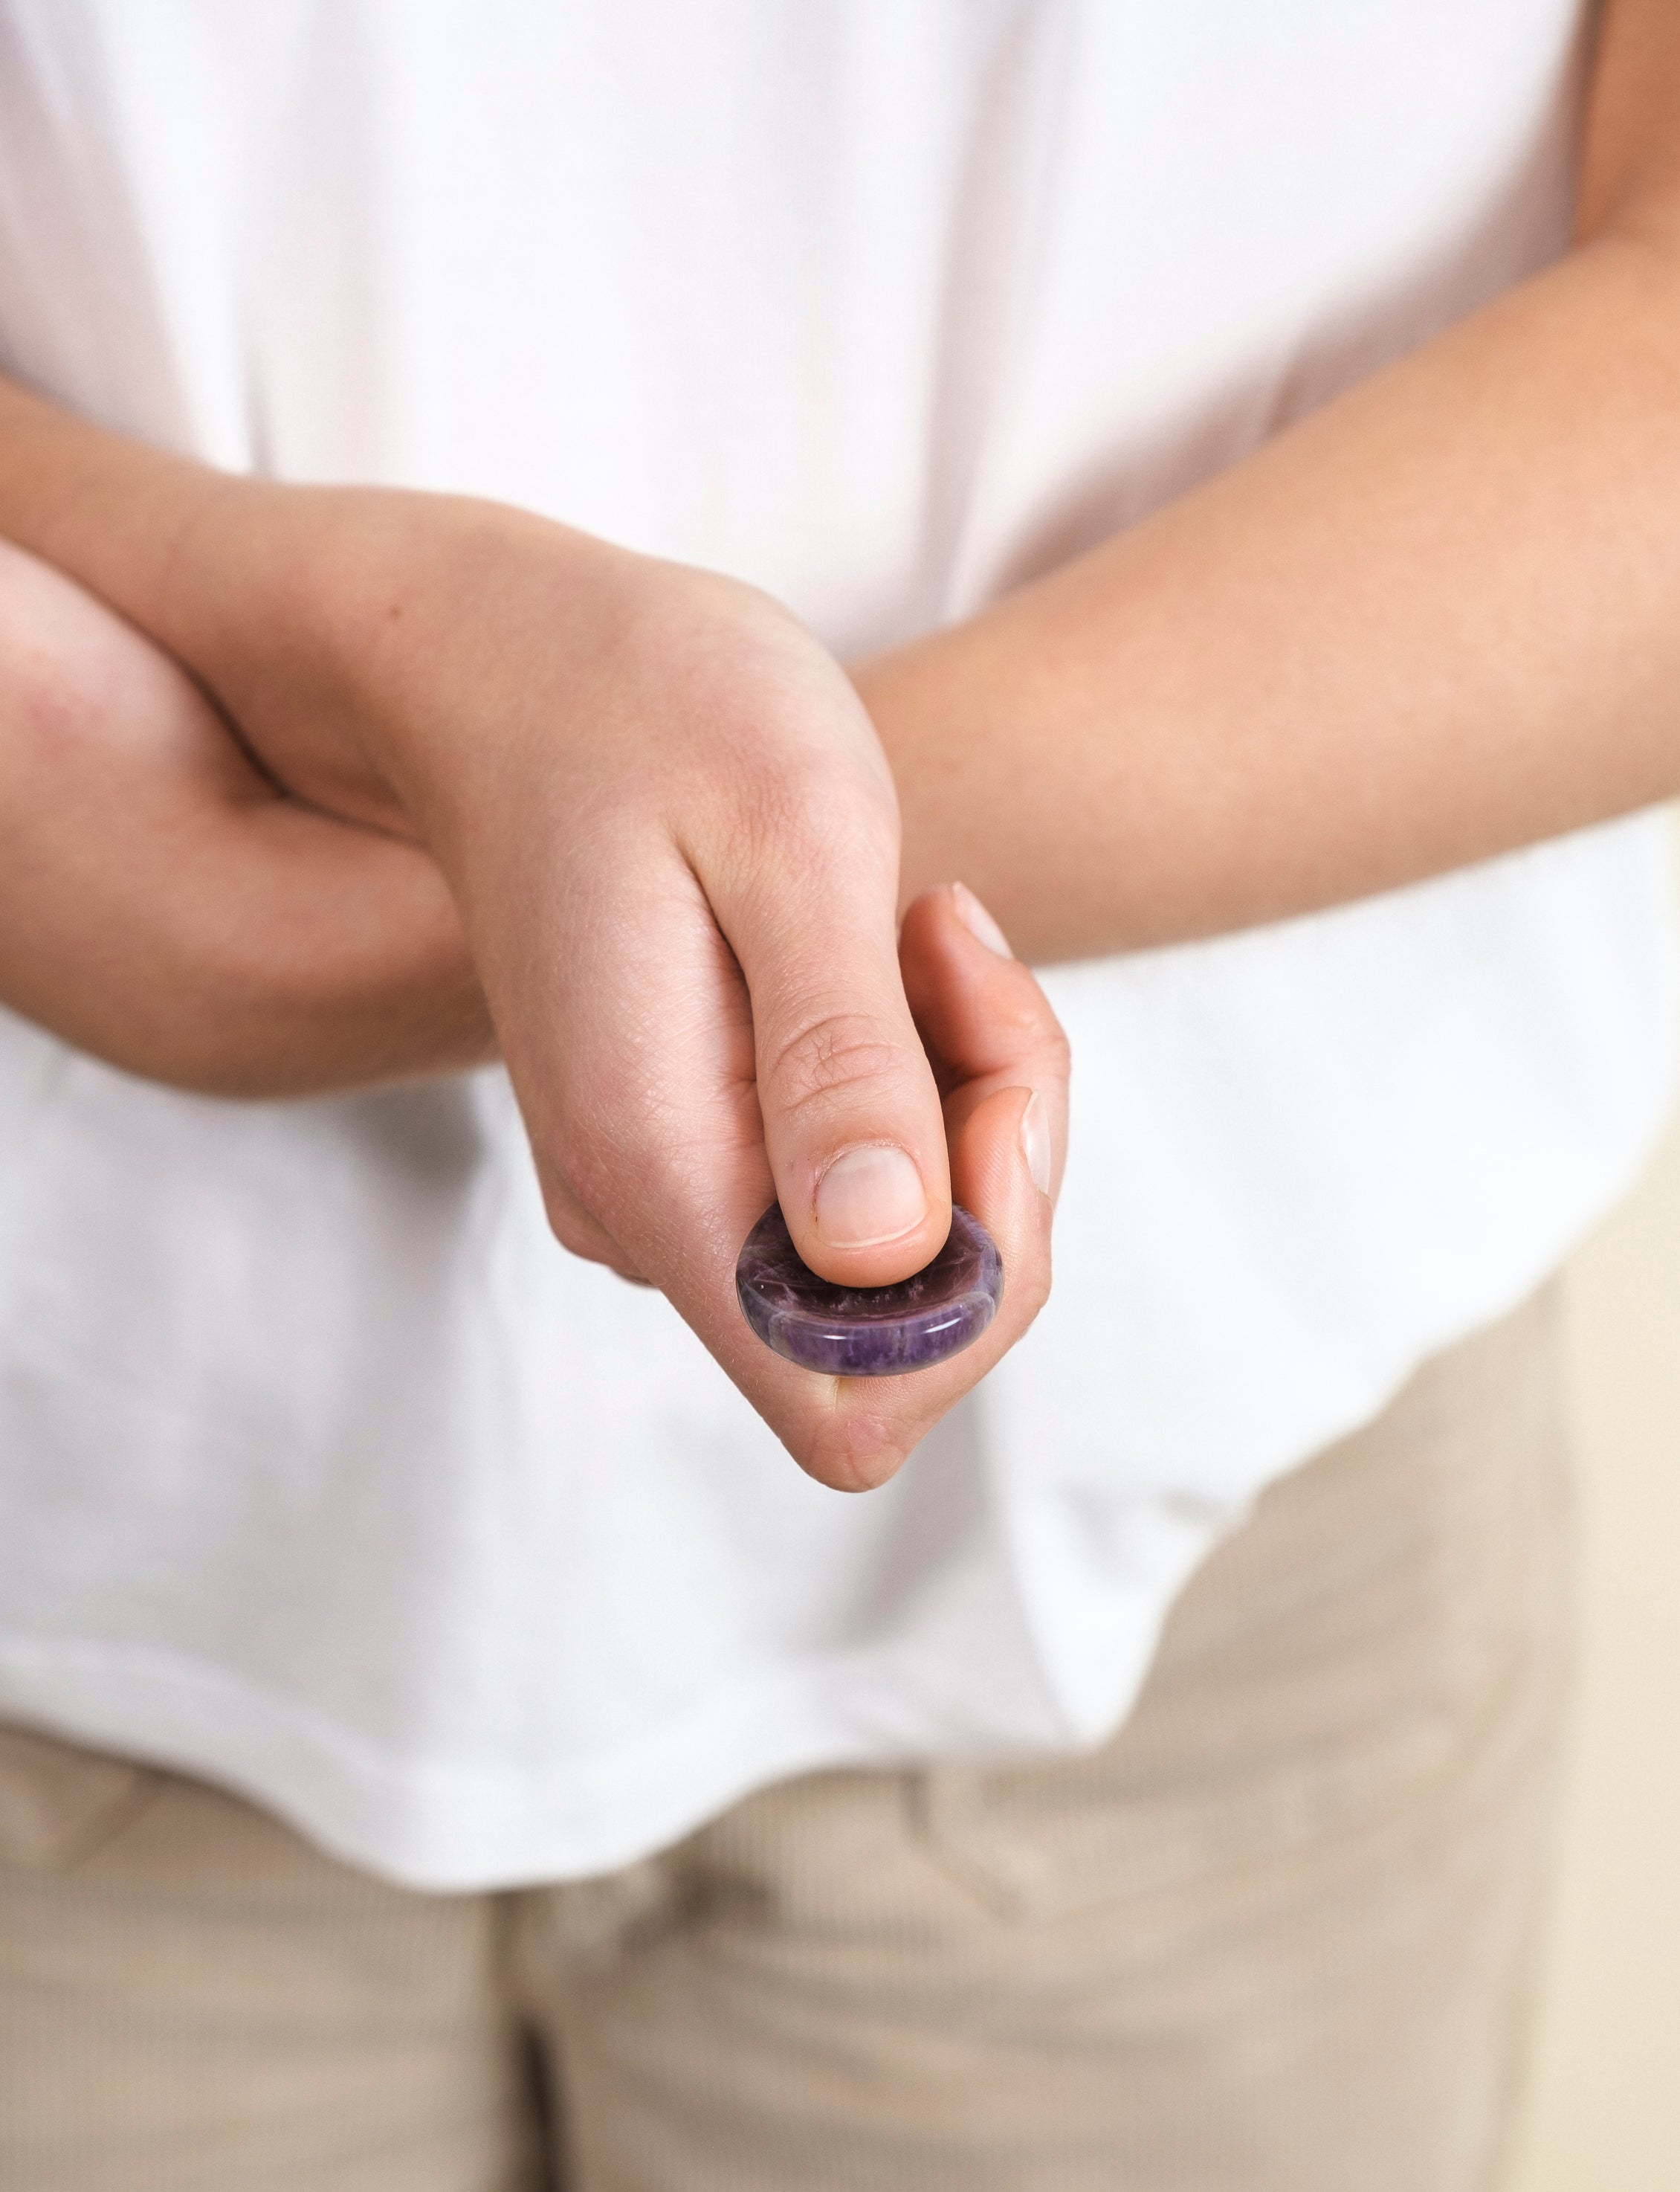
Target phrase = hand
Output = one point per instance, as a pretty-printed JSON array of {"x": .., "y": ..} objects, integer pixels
[
  {"x": 673, "y": 839},
  {"x": 163, "y": 907}
]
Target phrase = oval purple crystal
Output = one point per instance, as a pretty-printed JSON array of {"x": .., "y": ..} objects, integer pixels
[{"x": 869, "y": 1332}]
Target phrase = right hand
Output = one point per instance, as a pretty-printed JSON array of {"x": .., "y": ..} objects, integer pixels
[{"x": 674, "y": 841}]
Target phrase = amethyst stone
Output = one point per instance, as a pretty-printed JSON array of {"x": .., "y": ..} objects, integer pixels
[{"x": 869, "y": 1332}]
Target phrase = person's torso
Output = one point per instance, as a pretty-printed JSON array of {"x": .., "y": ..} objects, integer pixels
[{"x": 327, "y": 1470}]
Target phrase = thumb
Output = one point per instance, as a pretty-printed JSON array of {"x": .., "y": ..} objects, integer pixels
[{"x": 852, "y": 1124}]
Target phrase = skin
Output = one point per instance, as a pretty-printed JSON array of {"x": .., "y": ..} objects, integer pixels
[
  {"x": 163, "y": 905},
  {"x": 670, "y": 828},
  {"x": 1444, "y": 610}
]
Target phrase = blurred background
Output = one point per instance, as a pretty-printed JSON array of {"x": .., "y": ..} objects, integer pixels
[{"x": 1603, "y": 2109}]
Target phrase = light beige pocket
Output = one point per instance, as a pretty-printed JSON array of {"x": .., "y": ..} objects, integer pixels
[{"x": 59, "y": 1802}]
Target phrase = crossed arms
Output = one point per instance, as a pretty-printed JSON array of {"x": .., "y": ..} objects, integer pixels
[{"x": 499, "y": 785}]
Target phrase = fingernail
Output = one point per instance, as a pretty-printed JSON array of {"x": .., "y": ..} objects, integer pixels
[
  {"x": 869, "y": 1195},
  {"x": 978, "y": 922},
  {"x": 1035, "y": 1144}
]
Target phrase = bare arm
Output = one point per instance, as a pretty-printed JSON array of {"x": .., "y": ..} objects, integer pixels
[
  {"x": 1433, "y": 622},
  {"x": 164, "y": 907},
  {"x": 673, "y": 839},
  {"x": 1439, "y": 619}
]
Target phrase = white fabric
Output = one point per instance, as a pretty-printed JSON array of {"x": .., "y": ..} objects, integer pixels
[{"x": 322, "y": 1470}]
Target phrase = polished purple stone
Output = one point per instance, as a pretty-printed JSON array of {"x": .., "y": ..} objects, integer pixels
[{"x": 869, "y": 1332}]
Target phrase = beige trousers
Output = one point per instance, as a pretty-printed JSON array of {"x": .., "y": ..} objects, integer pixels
[{"x": 1276, "y": 1936}]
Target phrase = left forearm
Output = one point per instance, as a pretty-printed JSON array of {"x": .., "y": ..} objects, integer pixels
[
  {"x": 1440, "y": 620},
  {"x": 163, "y": 909},
  {"x": 1437, "y": 620}
]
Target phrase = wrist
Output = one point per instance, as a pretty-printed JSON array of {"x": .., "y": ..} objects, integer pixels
[{"x": 415, "y": 638}]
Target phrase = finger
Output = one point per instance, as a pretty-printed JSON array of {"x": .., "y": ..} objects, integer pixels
[
  {"x": 852, "y": 1122},
  {"x": 1001, "y": 1056},
  {"x": 999, "y": 1052},
  {"x": 871, "y": 1425},
  {"x": 986, "y": 1022}
]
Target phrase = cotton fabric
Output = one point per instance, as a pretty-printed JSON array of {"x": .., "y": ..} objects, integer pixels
[
  {"x": 325, "y": 1472},
  {"x": 1278, "y": 1936}
]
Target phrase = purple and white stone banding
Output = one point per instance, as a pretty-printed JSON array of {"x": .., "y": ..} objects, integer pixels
[{"x": 869, "y": 1332}]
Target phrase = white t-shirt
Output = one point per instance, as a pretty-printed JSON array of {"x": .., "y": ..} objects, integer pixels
[{"x": 323, "y": 1470}]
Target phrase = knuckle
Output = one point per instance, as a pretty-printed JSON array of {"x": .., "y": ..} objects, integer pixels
[
  {"x": 572, "y": 1232},
  {"x": 1026, "y": 1027},
  {"x": 1036, "y": 1293},
  {"x": 1039, "y": 1041},
  {"x": 832, "y": 1055},
  {"x": 1025, "y": 1292},
  {"x": 857, "y": 1453},
  {"x": 1029, "y": 1010},
  {"x": 795, "y": 816},
  {"x": 581, "y": 1238},
  {"x": 569, "y": 1219}
]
